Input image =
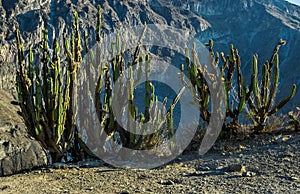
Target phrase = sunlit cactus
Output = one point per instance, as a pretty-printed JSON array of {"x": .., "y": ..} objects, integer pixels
[
  {"x": 260, "y": 96},
  {"x": 152, "y": 115},
  {"x": 235, "y": 95},
  {"x": 196, "y": 75},
  {"x": 262, "y": 100},
  {"x": 99, "y": 24},
  {"x": 45, "y": 92},
  {"x": 295, "y": 119}
]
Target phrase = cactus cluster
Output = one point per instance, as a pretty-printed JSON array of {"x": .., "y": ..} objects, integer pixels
[
  {"x": 259, "y": 97},
  {"x": 127, "y": 74},
  {"x": 235, "y": 86},
  {"x": 47, "y": 94},
  {"x": 196, "y": 75},
  {"x": 262, "y": 100},
  {"x": 45, "y": 91}
]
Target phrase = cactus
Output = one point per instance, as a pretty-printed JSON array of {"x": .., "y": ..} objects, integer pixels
[
  {"x": 262, "y": 100},
  {"x": 295, "y": 119},
  {"x": 234, "y": 100},
  {"x": 152, "y": 114},
  {"x": 197, "y": 74},
  {"x": 260, "y": 96},
  {"x": 99, "y": 24},
  {"x": 45, "y": 95}
]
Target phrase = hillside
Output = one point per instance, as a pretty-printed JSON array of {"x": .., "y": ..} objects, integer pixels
[{"x": 253, "y": 26}]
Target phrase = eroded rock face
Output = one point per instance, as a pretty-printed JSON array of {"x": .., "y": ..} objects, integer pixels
[
  {"x": 253, "y": 26},
  {"x": 18, "y": 151}
]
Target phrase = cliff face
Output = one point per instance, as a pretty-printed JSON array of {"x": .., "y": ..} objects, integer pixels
[{"x": 253, "y": 26}]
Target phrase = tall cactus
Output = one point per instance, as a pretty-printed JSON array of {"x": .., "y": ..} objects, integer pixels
[
  {"x": 234, "y": 100},
  {"x": 262, "y": 100},
  {"x": 115, "y": 71},
  {"x": 45, "y": 95},
  {"x": 198, "y": 74},
  {"x": 260, "y": 96}
]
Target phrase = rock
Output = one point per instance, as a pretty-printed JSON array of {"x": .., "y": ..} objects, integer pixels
[
  {"x": 124, "y": 192},
  {"x": 232, "y": 168},
  {"x": 166, "y": 182},
  {"x": 248, "y": 174},
  {"x": 281, "y": 138},
  {"x": 204, "y": 168},
  {"x": 18, "y": 151}
]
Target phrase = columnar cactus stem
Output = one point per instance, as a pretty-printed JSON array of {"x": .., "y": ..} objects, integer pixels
[
  {"x": 99, "y": 24},
  {"x": 195, "y": 73},
  {"x": 149, "y": 91},
  {"x": 263, "y": 106},
  {"x": 234, "y": 100},
  {"x": 152, "y": 114},
  {"x": 231, "y": 65},
  {"x": 45, "y": 95}
]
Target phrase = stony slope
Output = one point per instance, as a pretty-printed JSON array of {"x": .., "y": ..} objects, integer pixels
[{"x": 258, "y": 165}]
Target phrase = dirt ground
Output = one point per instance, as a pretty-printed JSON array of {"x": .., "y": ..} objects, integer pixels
[{"x": 264, "y": 164}]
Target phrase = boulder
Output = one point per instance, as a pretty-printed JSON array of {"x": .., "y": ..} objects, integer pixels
[{"x": 18, "y": 151}]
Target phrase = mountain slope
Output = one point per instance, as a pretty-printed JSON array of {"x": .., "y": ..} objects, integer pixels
[{"x": 253, "y": 26}]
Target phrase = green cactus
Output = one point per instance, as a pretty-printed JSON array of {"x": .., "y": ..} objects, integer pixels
[
  {"x": 234, "y": 100},
  {"x": 99, "y": 24},
  {"x": 201, "y": 92},
  {"x": 260, "y": 96},
  {"x": 152, "y": 113},
  {"x": 262, "y": 100},
  {"x": 197, "y": 74},
  {"x": 45, "y": 95},
  {"x": 295, "y": 119}
]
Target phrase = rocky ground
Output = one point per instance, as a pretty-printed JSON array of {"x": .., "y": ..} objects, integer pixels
[{"x": 264, "y": 164}]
